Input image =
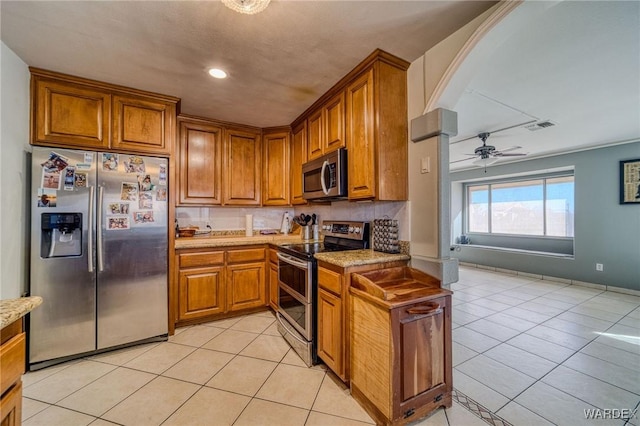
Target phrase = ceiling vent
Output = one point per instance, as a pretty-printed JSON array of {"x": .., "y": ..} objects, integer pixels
[{"x": 540, "y": 125}]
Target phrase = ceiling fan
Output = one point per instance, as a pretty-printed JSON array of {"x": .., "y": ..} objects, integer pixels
[{"x": 486, "y": 155}]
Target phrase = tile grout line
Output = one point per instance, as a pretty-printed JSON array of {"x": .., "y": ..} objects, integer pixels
[{"x": 538, "y": 324}]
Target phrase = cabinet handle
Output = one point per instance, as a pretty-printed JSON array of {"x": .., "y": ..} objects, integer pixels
[{"x": 430, "y": 308}]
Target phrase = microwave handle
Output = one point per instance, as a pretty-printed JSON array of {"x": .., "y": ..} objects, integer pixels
[{"x": 322, "y": 182}]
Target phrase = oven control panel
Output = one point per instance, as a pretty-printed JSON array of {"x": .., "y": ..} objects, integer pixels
[{"x": 346, "y": 229}]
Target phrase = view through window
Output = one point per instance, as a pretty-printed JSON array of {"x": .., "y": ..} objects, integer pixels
[{"x": 541, "y": 207}]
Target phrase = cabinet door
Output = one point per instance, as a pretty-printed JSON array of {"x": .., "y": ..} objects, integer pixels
[
  {"x": 316, "y": 145},
  {"x": 201, "y": 292},
  {"x": 70, "y": 115},
  {"x": 298, "y": 158},
  {"x": 333, "y": 120},
  {"x": 200, "y": 159},
  {"x": 242, "y": 168},
  {"x": 423, "y": 344},
  {"x": 246, "y": 286},
  {"x": 275, "y": 184},
  {"x": 11, "y": 406},
  {"x": 142, "y": 125},
  {"x": 330, "y": 347},
  {"x": 360, "y": 138}
]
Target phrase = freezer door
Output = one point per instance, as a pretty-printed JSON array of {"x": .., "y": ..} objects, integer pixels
[
  {"x": 65, "y": 323},
  {"x": 132, "y": 240}
]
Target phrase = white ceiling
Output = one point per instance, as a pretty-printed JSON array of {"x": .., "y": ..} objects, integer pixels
[
  {"x": 279, "y": 61},
  {"x": 577, "y": 63}
]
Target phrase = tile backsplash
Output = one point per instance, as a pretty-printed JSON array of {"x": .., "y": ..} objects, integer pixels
[{"x": 233, "y": 218}]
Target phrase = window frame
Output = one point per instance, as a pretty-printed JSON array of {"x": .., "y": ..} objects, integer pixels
[{"x": 524, "y": 178}]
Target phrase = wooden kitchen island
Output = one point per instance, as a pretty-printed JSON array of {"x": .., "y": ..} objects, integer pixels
[
  {"x": 12, "y": 356},
  {"x": 335, "y": 271}
]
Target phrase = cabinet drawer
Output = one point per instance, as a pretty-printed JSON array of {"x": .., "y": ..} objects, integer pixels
[
  {"x": 246, "y": 255},
  {"x": 191, "y": 260},
  {"x": 12, "y": 356},
  {"x": 329, "y": 280}
]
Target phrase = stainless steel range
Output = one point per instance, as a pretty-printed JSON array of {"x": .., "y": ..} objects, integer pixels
[{"x": 298, "y": 283}]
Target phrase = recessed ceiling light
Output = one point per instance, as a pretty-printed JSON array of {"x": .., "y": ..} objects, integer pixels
[{"x": 217, "y": 73}]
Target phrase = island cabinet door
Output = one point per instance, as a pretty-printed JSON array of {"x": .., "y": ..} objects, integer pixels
[
  {"x": 202, "y": 292},
  {"x": 423, "y": 344},
  {"x": 330, "y": 348}
]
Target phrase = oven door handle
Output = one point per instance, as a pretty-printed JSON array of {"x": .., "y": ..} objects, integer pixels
[
  {"x": 287, "y": 329},
  {"x": 293, "y": 261}
]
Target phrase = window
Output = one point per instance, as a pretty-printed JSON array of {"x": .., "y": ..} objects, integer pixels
[{"x": 538, "y": 207}]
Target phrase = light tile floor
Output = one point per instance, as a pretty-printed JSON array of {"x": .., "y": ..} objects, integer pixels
[{"x": 528, "y": 351}]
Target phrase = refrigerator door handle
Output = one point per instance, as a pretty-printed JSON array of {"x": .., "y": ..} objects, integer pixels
[
  {"x": 90, "y": 231},
  {"x": 99, "y": 230}
]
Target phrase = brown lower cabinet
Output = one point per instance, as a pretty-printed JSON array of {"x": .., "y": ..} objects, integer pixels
[
  {"x": 401, "y": 363},
  {"x": 220, "y": 282},
  {"x": 12, "y": 364},
  {"x": 334, "y": 313}
]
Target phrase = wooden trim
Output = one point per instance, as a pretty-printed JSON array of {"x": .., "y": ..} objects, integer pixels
[
  {"x": 227, "y": 124},
  {"x": 102, "y": 85}
]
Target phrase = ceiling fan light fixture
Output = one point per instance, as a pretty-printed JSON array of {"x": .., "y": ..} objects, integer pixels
[
  {"x": 484, "y": 162},
  {"x": 247, "y": 7}
]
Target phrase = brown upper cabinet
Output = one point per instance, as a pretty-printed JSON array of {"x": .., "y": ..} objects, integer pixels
[
  {"x": 219, "y": 164},
  {"x": 333, "y": 123},
  {"x": 242, "y": 167},
  {"x": 200, "y": 162},
  {"x": 366, "y": 112},
  {"x": 78, "y": 113},
  {"x": 326, "y": 127},
  {"x": 275, "y": 166},
  {"x": 298, "y": 158},
  {"x": 377, "y": 132}
]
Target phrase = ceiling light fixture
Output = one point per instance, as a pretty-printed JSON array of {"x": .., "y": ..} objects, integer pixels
[
  {"x": 248, "y": 7},
  {"x": 484, "y": 162},
  {"x": 217, "y": 73}
]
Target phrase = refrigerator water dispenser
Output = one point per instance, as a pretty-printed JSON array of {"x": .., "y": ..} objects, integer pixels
[{"x": 61, "y": 235}]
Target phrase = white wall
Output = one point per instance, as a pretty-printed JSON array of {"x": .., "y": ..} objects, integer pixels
[{"x": 14, "y": 177}]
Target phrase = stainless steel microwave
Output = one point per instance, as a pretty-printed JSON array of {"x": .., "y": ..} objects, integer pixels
[{"x": 325, "y": 178}]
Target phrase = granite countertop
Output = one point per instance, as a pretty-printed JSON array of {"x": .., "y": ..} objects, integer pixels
[
  {"x": 358, "y": 257},
  {"x": 234, "y": 240},
  {"x": 14, "y": 309}
]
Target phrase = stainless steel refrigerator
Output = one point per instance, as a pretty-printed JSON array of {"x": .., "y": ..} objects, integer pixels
[{"x": 99, "y": 240}]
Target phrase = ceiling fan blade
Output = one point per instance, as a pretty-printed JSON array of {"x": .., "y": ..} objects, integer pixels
[
  {"x": 464, "y": 159},
  {"x": 500, "y": 154},
  {"x": 513, "y": 148}
]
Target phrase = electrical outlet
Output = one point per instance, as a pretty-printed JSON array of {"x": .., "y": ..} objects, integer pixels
[{"x": 599, "y": 267}]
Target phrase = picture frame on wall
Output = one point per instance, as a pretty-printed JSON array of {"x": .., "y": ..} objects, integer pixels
[{"x": 630, "y": 181}]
